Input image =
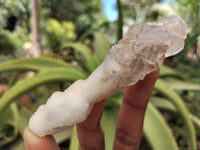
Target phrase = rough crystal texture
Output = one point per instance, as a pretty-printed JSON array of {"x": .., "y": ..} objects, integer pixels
[{"x": 141, "y": 51}]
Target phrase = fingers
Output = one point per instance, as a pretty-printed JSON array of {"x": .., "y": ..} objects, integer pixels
[
  {"x": 129, "y": 128},
  {"x": 34, "y": 142},
  {"x": 89, "y": 131},
  {"x": 129, "y": 124}
]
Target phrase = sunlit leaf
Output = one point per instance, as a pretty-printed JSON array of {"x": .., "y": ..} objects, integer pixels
[
  {"x": 62, "y": 136},
  {"x": 163, "y": 103},
  {"x": 166, "y": 90},
  {"x": 108, "y": 123},
  {"x": 35, "y": 64},
  {"x": 89, "y": 61},
  {"x": 182, "y": 85},
  {"x": 101, "y": 45},
  {"x": 47, "y": 76},
  {"x": 74, "y": 143},
  {"x": 168, "y": 71},
  {"x": 195, "y": 119},
  {"x": 157, "y": 131}
]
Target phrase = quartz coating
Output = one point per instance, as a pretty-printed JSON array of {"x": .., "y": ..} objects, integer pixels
[{"x": 141, "y": 51}]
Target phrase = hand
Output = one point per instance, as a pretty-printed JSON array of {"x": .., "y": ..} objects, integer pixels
[{"x": 129, "y": 128}]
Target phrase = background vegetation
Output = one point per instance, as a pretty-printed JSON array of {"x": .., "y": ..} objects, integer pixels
[{"x": 75, "y": 36}]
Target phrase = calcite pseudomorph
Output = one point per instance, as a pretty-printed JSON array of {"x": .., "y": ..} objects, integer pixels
[{"x": 141, "y": 51}]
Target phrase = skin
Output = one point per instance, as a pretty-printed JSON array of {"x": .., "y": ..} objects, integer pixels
[{"x": 129, "y": 128}]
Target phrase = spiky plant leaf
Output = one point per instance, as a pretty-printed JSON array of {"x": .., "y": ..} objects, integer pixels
[
  {"x": 101, "y": 45},
  {"x": 157, "y": 131},
  {"x": 166, "y": 90},
  {"x": 35, "y": 64},
  {"x": 89, "y": 61},
  {"x": 177, "y": 84},
  {"x": 46, "y": 76},
  {"x": 167, "y": 71}
]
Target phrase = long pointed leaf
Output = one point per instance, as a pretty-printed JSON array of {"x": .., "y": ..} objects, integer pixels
[
  {"x": 157, "y": 131},
  {"x": 74, "y": 143},
  {"x": 52, "y": 75},
  {"x": 62, "y": 136},
  {"x": 167, "y": 71},
  {"x": 10, "y": 117},
  {"x": 101, "y": 45},
  {"x": 166, "y": 104},
  {"x": 16, "y": 117},
  {"x": 182, "y": 85},
  {"x": 166, "y": 90},
  {"x": 90, "y": 61},
  {"x": 108, "y": 123},
  {"x": 35, "y": 64}
]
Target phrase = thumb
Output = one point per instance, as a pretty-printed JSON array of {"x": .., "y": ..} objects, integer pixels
[{"x": 34, "y": 142}]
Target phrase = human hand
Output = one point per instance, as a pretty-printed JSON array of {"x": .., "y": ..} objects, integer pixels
[{"x": 129, "y": 127}]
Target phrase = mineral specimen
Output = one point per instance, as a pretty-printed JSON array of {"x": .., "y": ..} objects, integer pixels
[{"x": 141, "y": 51}]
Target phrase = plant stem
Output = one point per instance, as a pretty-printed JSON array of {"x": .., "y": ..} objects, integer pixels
[{"x": 120, "y": 21}]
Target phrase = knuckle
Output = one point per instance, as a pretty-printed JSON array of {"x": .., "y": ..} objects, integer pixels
[
  {"x": 126, "y": 138},
  {"x": 136, "y": 104}
]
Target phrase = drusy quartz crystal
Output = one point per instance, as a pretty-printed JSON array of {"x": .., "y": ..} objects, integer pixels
[{"x": 141, "y": 51}]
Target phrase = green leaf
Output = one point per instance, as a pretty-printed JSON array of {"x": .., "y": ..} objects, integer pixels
[
  {"x": 11, "y": 118},
  {"x": 89, "y": 61},
  {"x": 85, "y": 35},
  {"x": 46, "y": 76},
  {"x": 101, "y": 45},
  {"x": 74, "y": 143},
  {"x": 163, "y": 103},
  {"x": 166, "y": 90},
  {"x": 108, "y": 123},
  {"x": 13, "y": 78},
  {"x": 182, "y": 85},
  {"x": 63, "y": 135},
  {"x": 35, "y": 64},
  {"x": 195, "y": 119},
  {"x": 167, "y": 71},
  {"x": 6, "y": 117},
  {"x": 16, "y": 117},
  {"x": 157, "y": 131},
  {"x": 25, "y": 114},
  {"x": 115, "y": 100}
]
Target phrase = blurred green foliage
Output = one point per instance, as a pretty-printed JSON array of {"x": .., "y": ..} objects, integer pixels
[
  {"x": 7, "y": 43},
  {"x": 57, "y": 33},
  {"x": 11, "y": 43},
  {"x": 84, "y": 14},
  {"x": 77, "y": 36},
  {"x": 55, "y": 70},
  {"x": 18, "y": 8}
]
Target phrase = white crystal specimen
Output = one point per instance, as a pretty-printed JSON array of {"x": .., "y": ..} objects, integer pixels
[{"x": 141, "y": 51}]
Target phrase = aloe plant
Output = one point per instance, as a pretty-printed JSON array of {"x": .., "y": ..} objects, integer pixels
[{"x": 51, "y": 69}]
